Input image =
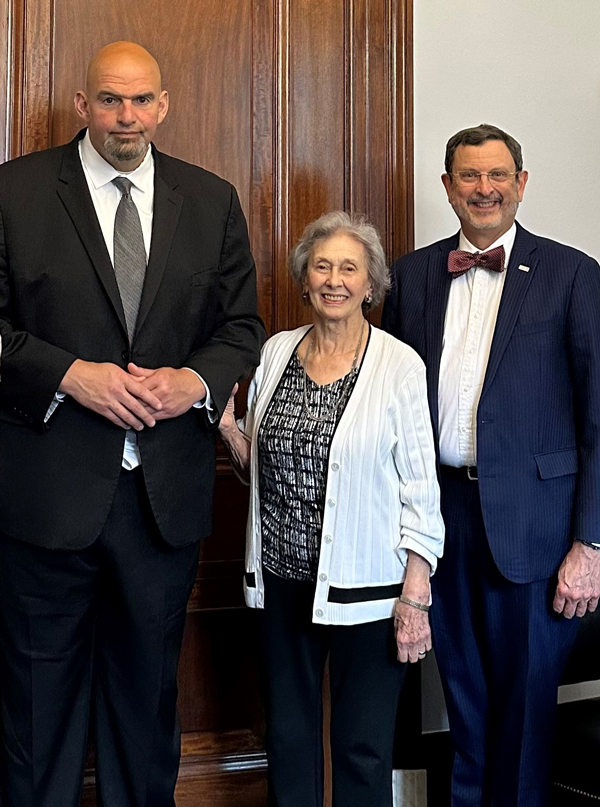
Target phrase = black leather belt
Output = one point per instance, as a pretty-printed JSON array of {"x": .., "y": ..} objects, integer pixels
[{"x": 466, "y": 472}]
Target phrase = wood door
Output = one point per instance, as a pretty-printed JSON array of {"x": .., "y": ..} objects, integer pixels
[{"x": 305, "y": 105}]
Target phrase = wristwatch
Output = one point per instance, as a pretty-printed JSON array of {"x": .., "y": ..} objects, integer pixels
[{"x": 593, "y": 544}]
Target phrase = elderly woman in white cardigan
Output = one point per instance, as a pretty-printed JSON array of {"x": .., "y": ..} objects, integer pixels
[{"x": 344, "y": 528}]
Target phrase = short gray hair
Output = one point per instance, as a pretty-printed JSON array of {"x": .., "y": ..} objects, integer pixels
[{"x": 357, "y": 227}]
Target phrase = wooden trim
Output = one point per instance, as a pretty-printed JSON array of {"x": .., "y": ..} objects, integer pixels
[
  {"x": 6, "y": 16},
  {"x": 229, "y": 750},
  {"x": 263, "y": 200},
  {"x": 281, "y": 191},
  {"x": 401, "y": 180},
  {"x": 14, "y": 90},
  {"x": 357, "y": 93},
  {"x": 349, "y": 92},
  {"x": 206, "y": 758},
  {"x": 37, "y": 102}
]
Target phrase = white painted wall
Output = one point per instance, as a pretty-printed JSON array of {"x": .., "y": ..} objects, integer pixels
[{"x": 531, "y": 67}]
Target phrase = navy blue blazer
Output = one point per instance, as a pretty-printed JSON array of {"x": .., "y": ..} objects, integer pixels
[{"x": 538, "y": 421}]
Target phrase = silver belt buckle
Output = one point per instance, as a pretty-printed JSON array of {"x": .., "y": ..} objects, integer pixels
[{"x": 472, "y": 473}]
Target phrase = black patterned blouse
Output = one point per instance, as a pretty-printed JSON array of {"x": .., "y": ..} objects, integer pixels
[{"x": 292, "y": 454}]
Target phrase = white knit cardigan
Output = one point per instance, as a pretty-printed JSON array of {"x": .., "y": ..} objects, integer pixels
[{"x": 382, "y": 494}]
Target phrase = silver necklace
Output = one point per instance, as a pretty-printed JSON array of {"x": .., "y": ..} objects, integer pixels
[{"x": 347, "y": 380}]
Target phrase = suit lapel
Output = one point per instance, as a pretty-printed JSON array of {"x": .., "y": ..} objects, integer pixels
[
  {"x": 438, "y": 289},
  {"x": 75, "y": 196},
  {"x": 167, "y": 207},
  {"x": 515, "y": 288}
]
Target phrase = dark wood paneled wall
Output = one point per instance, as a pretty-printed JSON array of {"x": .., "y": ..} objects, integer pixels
[{"x": 305, "y": 105}]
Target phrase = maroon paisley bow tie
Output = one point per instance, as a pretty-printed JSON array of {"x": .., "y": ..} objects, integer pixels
[{"x": 460, "y": 262}]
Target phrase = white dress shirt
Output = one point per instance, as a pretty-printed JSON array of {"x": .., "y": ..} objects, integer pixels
[
  {"x": 469, "y": 326},
  {"x": 106, "y": 196}
]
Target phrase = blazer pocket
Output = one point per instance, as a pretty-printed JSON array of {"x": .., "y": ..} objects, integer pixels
[
  {"x": 205, "y": 277},
  {"x": 525, "y": 328},
  {"x": 556, "y": 463}
]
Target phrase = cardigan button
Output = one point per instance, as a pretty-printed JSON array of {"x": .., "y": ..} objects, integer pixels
[
  {"x": 331, "y": 502},
  {"x": 323, "y": 577},
  {"x": 328, "y": 539},
  {"x": 319, "y": 612},
  {"x": 335, "y": 466}
]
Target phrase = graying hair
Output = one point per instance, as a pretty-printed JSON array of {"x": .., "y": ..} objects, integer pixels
[
  {"x": 357, "y": 227},
  {"x": 477, "y": 135}
]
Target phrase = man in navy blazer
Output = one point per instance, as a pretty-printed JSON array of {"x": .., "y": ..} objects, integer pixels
[{"x": 508, "y": 325}]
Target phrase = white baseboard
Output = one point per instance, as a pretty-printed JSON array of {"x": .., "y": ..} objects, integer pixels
[
  {"x": 578, "y": 692},
  {"x": 410, "y": 788}
]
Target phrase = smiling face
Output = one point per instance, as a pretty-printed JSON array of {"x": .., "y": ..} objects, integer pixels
[
  {"x": 337, "y": 278},
  {"x": 123, "y": 103},
  {"x": 486, "y": 211}
]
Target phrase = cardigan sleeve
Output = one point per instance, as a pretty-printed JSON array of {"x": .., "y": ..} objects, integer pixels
[
  {"x": 246, "y": 424},
  {"x": 421, "y": 524}
]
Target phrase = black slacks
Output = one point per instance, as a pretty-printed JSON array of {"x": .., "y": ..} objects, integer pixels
[
  {"x": 103, "y": 625},
  {"x": 501, "y": 651},
  {"x": 366, "y": 679}
]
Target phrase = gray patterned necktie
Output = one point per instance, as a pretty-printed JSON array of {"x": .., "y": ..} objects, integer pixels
[{"x": 129, "y": 255}]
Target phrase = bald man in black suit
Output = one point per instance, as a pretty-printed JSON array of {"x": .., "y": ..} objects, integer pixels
[{"x": 107, "y": 428}]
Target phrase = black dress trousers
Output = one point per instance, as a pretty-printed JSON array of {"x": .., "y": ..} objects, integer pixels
[
  {"x": 99, "y": 628},
  {"x": 365, "y": 678}
]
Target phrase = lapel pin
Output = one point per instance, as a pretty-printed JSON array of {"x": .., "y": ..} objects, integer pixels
[{"x": 523, "y": 268}]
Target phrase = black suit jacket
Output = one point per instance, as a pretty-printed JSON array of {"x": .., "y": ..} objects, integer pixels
[
  {"x": 538, "y": 420},
  {"x": 59, "y": 301}
]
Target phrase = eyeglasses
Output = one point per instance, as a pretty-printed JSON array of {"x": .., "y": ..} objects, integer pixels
[{"x": 497, "y": 177}]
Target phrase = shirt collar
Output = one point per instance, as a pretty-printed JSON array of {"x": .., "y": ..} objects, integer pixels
[
  {"x": 507, "y": 241},
  {"x": 102, "y": 173}
]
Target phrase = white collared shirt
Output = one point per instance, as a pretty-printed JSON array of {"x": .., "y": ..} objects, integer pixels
[
  {"x": 99, "y": 175},
  {"x": 471, "y": 315},
  {"x": 106, "y": 196}
]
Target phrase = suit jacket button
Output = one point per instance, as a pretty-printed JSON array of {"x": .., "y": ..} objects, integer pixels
[{"x": 125, "y": 355}]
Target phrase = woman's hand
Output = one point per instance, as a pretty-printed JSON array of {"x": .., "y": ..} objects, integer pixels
[
  {"x": 236, "y": 443},
  {"x": 413, "y": 634},
  {"x": 227, "y": 421}
]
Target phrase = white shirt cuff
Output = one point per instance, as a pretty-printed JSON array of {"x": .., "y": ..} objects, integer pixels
[
  {"x": 59, "y": 397},
  {"x": 205, "y": 402}
]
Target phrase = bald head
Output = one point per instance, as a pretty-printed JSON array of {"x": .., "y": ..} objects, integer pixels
[
  {"x": 119, "y": 56},
  {"x": 123, "y": 103}
]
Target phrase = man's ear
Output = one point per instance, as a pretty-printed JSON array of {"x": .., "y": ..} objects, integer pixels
[
  {"x": 447, "y": 183},
  {"x": 521, "y": 182},
  {"x": 163, "y": 105},
  {"x": 82, "y": 106}
]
